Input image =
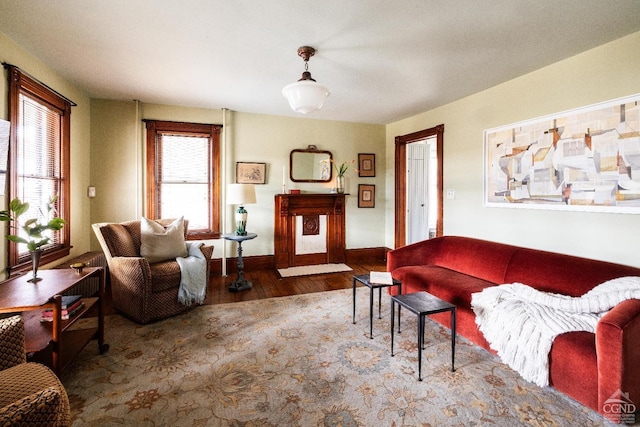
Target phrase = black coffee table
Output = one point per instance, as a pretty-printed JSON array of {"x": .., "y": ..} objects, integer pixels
[
  {"x": 423, "y": 304},
  {"x": 364, "y": 279}
]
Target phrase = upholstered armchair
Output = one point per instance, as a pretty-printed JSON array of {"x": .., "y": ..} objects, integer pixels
[
  {"x": 30, "y": 393},
  {"x": 143, "y": 291}
]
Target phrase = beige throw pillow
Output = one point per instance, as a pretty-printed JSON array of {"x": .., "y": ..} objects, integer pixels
[{"x": 161, "y": 244}]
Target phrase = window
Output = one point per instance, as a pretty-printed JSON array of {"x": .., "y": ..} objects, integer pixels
[
  {"x": 39, "y": 160},
  {"x": 183, "y": 175}
]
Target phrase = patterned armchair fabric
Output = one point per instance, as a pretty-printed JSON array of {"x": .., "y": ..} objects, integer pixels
[
  {"x": 141, "y": 291},
  {"x": 30, "y": 393}
]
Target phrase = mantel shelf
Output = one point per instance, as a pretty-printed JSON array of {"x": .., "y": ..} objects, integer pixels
[{"x": 313, "y": 194}]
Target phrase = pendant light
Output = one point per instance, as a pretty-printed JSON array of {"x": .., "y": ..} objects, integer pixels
[{"x": 305, "y": 96}]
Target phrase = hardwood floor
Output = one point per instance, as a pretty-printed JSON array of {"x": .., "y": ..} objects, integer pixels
[{"x": 268, "y": 284}]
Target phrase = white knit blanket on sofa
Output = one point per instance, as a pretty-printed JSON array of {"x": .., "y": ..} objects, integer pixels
[
  {"x": 193, "y": 275},
  {"x": 520, "y": 322}
]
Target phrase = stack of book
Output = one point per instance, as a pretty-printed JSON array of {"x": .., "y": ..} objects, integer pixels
[{"x": 71, "y": 304}]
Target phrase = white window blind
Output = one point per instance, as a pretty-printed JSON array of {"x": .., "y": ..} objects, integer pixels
[
  {"x": 184, "y": 176},
  {"x": 39, "y": 167}
]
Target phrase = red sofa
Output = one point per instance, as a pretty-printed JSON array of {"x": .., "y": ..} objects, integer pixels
[{"x": 588, "y": 367}]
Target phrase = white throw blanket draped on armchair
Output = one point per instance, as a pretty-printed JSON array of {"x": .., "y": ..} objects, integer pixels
[
  {"x": 520, "y": 322},
  {"x": 193, "y": 280}
]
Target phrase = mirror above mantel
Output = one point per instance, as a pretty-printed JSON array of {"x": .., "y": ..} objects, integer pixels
[{"x": 310, "y": 165}]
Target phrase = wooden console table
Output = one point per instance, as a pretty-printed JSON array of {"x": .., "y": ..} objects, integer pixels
[{"x": 55, "y": 343}]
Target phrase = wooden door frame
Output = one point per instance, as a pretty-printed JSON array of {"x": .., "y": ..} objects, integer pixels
[{"x": 401, "y": 184}]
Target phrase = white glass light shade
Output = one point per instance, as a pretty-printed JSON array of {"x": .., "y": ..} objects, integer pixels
[
  {"x": 305, "y": 96},
  {"x": 241, "y": 194}
]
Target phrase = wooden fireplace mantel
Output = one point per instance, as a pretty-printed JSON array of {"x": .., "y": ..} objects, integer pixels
[{"x": 288, "y": 206}]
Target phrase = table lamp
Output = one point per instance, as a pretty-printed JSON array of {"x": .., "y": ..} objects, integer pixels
[{"x": 241, "y": 194}]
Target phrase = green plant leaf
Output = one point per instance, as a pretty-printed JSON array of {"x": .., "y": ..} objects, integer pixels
[
  {"x": 16, "y": 239},
  {"x": 37, "y": 245},
  {"x": 32, "y": 227},
  {"x": 17, "y": 207},
  {"x": 56, "y": 223}
]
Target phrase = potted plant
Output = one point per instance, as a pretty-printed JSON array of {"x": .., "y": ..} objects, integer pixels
[
  {"x": 33, "y": 229},
  {"x": 341, "y": 170}
]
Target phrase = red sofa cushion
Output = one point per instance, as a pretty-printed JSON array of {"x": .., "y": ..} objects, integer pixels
[
  {"x": 450, "y": 286},
  {"x": 479, "y": 258},
  {"x": 563, "y": 274},
  {"x": 573, "y": 367},
  {"x": 446, "y": 284}
]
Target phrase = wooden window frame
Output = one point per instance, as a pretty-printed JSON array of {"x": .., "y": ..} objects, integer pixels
[
  {"x": 155, "y": 129},
  {"x": 22, "y": 83}
]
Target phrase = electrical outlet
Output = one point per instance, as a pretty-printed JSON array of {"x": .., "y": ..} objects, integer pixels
[
  {"x": 91, "y": 191},
  {"x": 451, "y": 194}
]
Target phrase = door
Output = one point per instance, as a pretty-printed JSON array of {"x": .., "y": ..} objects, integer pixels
[
  {"x": 435, "y": 211},
  {"x": 421, "y": 186}
]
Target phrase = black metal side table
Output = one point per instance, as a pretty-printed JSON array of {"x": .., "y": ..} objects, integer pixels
[
  {"x": 423, "y": 304},
  {"x": 240, "y": 284},
  {"x": 364, "y": 279}
]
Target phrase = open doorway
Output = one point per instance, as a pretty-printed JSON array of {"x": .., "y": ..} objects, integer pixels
[
  {"x": 422, "y": 186},
  {"x": 414, "y": 200}
]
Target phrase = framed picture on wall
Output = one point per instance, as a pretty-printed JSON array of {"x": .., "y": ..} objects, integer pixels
[
  {"x": 366, "y": 196},
  {"x": 583, "y": 159},
  {"x": 251, "y": 173},
  {"x": 366, "y": 164}
]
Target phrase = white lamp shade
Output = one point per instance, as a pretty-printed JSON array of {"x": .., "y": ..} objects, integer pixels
[
  {"x": 241, "y": 194},
  {"x": 305, "y": 96}
]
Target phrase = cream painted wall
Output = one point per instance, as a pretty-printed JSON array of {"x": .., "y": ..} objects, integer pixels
[
  {"x": 118, "y": 160},
  {"x": 601, "y": 74},
  {"x": 272, "y": 138},
  {"x": 80, "y": 134},
  {"x": 115, "y": 142}
]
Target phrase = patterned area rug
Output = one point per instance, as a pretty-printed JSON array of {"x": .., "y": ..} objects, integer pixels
[
  {"x": 307, "y": 270},
  {"x": 300, "y": 361}
]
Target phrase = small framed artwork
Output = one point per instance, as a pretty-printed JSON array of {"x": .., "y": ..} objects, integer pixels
[
  {"x": 251, "y": 173},
  {"x": 366, "y": 196},
  {"x": 366, "y": 164}
]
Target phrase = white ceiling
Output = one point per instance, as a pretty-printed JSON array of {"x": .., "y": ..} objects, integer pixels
[{"x": 383, "y": 60}]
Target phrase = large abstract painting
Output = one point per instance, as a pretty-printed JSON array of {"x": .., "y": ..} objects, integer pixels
[{"x": 584, "y": 159}]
